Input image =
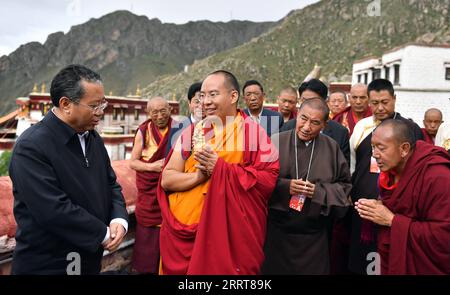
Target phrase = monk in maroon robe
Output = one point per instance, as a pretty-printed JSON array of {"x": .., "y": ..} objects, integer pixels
[
  {"x": 147, "y": 158},
  {"x": 432, "y": 120},
  {"x": 287, "y": 103},
  {"x": 413, "y": 210},
  {"x": 358, "y": 109}
]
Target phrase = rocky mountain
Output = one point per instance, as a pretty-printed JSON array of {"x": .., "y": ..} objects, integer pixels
[
  {"x": 331, "y": 33},
  {"x": 125, "y": 48}
]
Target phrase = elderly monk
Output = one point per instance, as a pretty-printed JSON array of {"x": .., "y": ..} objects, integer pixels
[
  {"x": 431, "y": 120},
  {"x": 311, "y": 191},
  {"x": 147, "y": 158}
]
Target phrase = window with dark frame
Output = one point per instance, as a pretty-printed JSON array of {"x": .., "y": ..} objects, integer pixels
[
  {"x": 114, "y": 114},
  {"x": 386, "y": 73},
  {"x": 136, "y": 114},
  {"x": 376, "y": 74},
  {"x": 366, "y": 78},
  {"x": 447, "y": 73},
  {"x": 396, "y": 74}
]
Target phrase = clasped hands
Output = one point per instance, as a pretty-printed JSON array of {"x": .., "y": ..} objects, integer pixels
[
  {"x": 301, "y": 187},
  {"x": 375, "y": 211},
  {"x": 207, "y": 159}
]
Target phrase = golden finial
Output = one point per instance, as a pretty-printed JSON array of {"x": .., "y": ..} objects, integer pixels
[
  {"x": 110, "y": 93},
  {"x": 174, "y": 97},
  {"x": 35, "y": 88},
  {"x": 198, "y": 138},
  {"x": 43, "y": 87},
  {"x": 138, "y": 90}
]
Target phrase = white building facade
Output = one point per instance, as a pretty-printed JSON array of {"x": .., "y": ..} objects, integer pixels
[{"x": 420, "y": 75}]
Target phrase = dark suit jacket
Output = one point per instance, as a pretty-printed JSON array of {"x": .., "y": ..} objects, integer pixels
[
  {"x": 271, "y": 121},
  {"x": 175, "y": 131},
  {"x": 63, "y": 201},
  {"x": 334, "y": 130}
]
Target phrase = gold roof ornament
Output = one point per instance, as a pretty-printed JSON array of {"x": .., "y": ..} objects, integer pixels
[
  {"x": 174, "y": 97},
  {"x": 43, "y": 87},
  {"x": 110, "y": 93},
  {"x": 138, "y": 90},
  {"x": 314, "y": 74},
  {"x": 35, "y": 88}
]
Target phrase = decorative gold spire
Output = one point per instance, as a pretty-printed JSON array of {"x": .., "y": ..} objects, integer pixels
[
  {"x": 174, "y": 97},
  {"x": 35, "y": 88},
  {"x": 138, "y": 90},
  {"x": 43, "y": 87},
  {"x": 110, "y": 93},
  {"x": 314, "y": 74},
  {"x": 198, "y": 138}
]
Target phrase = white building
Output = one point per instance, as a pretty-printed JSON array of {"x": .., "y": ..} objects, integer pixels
[{"x": 420, "y": 74}]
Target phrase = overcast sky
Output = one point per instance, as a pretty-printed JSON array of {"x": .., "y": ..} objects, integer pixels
[{"x": 23, "y": 21}]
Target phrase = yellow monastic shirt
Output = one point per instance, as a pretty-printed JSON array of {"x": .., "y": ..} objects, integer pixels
[
  {"x": 229, "y": 144},
  {"x": 150, "y": 145}
]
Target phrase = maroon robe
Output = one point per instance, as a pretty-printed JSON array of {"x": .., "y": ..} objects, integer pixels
[
  {"x": 147, "y": 210},
  {"x": 346, "y": 118},
  {"x": 418, "y": 241},
  {"x": 427, "y": 137},
  {"x": 230, "y": 235}
]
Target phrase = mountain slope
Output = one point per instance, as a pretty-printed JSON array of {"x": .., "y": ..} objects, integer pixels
[
  {"x": 330, "y": 33},
  {"x": 125, "y": 48}
]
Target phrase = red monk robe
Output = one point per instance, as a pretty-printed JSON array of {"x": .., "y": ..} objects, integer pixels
[
  {"x": 418, "y": 241},
  {"x": 348, "y": 119},
  {"x": 230, "y": 235},
  {"x": 427, "y": 137},
  {"x": 292, "y": 115},
  {"x": 148, "y": 214},
  {"x": 147, "y": 211}
]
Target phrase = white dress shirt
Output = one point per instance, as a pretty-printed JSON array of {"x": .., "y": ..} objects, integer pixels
[{"x": 123, "y": 222}]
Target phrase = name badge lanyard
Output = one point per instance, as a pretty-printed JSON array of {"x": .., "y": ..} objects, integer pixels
[{"x": 297, "y": 201}]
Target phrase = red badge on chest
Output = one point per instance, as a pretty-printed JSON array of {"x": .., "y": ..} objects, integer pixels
[{"x": 297, "y": 202}]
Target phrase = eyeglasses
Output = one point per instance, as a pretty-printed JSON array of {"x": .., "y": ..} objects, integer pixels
[
  {"x": 212, "y": 94},
  {"x": 95, "y": 108}
]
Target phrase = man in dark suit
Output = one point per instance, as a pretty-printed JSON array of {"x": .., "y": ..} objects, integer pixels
[
  {"x": 316, "y": 89},
  {"x": 196, "y": 114},
  {"x": 67, "y": 202},
  {"x": 254, "y": 99},
  {"x": 195, "y": 106}
]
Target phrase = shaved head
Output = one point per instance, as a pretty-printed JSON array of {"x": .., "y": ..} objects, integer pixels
[
  {"x": 392, "y": 145},
  {"x": 359, "y": 99},
  {"x": 157, "y": 101},
  {"x": 289, "y": 90},
  {"x": 359, "y": 86},
  {"x": 400, "y": 131},
  {"x": 432, "y": 112},
  {"x": 159, "y": 110},
  {"x": 432, "y": 120}
]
